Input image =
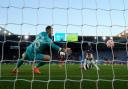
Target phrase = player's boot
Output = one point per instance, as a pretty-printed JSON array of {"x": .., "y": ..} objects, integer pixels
[
  {"x": 36, "y": 70},
  {"x": 14, "y": 71}
]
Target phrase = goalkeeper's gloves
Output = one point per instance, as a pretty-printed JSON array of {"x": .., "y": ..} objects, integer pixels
[
  {"x": 62, "y": 52},
  {"x": 65, "y": 51}
]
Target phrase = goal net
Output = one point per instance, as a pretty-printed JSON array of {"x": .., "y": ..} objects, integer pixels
[{"x": 82, "y": 25}]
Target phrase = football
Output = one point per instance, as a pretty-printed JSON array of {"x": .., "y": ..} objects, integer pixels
[{"x": 110, "y": 43}]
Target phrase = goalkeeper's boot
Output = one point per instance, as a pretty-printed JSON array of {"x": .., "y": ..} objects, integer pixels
[
  {"x": 14, "y": 71},
  {"x": 37, "y": 71}
]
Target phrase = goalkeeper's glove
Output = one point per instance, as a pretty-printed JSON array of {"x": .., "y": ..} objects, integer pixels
[
  {"x": 62, "y": 52},
  {"x": 65, "y": 51}
]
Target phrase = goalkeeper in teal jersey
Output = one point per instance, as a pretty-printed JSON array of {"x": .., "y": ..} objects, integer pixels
[{"x": 35, "y": 49}]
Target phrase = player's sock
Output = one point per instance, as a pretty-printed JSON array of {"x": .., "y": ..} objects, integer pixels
[
  {"x": 40, "y": 64},
  {"x": 20, "y": 62}
]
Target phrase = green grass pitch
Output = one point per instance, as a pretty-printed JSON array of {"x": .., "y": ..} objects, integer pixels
[{"x": 52, "y": 77}]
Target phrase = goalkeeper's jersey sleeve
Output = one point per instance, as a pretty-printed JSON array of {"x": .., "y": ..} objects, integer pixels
[{"x": 42, "y": 41}]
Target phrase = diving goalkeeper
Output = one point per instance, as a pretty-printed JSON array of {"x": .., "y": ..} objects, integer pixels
[{"x": 35, "y": 49}]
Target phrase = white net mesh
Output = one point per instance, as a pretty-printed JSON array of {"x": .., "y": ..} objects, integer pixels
[{"x": 94, "y": 21}]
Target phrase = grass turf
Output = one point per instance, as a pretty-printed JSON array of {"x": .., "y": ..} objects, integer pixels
[{"x": 70, "y": 76}]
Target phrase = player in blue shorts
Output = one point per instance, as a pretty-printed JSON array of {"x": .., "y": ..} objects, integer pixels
[{"x": 35, "y": 49}]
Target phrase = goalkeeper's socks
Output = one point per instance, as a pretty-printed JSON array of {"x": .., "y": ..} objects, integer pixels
[
  {"x": 20, "y": 62},
  {"x": 40, "y": 64}
]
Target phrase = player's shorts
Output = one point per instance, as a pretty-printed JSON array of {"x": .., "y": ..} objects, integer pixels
[
  {"x": 30, "y": 55},
  {"x": 37, "y": 56}
]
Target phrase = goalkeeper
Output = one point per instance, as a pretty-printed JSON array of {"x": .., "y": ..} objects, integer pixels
[
  {"x": 35, "y": 49},
  {"x": 89, "y": 60}
]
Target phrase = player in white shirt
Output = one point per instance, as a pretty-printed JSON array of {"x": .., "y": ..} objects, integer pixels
[{"x": 89, "y": 60}]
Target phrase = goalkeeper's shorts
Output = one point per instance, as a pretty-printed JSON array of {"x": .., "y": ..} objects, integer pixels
[
  {"x": 34, "y": 56},
  {"x": 30, "y": 55}
]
